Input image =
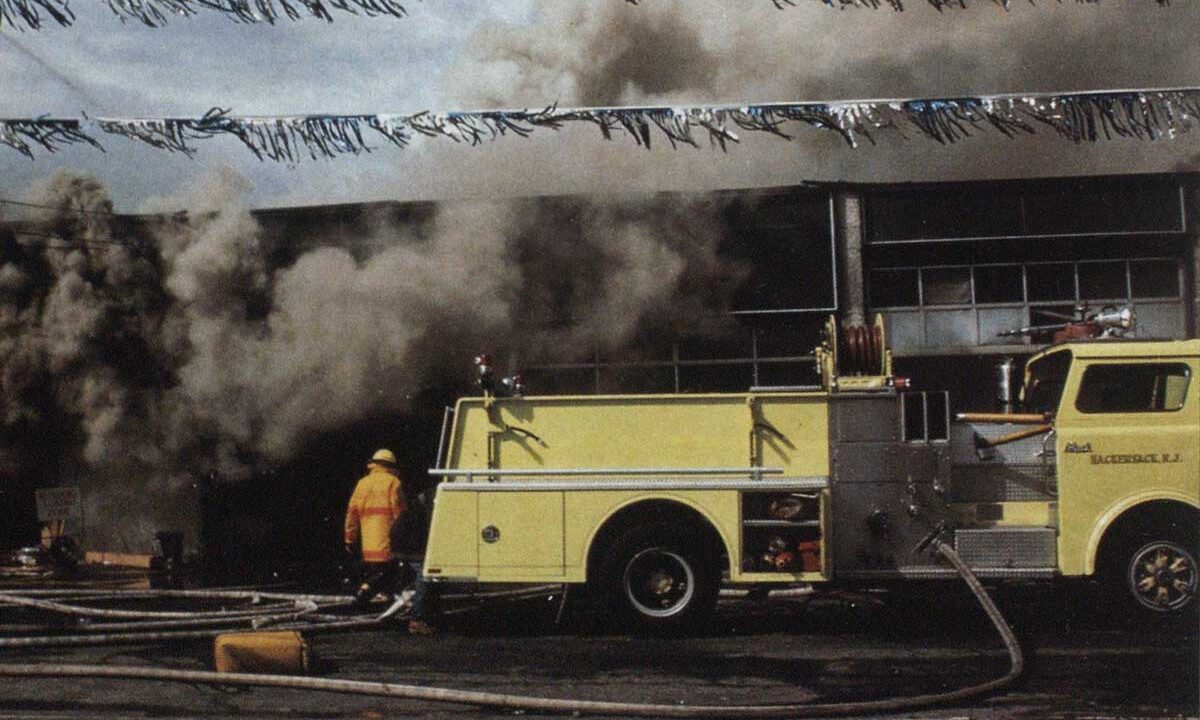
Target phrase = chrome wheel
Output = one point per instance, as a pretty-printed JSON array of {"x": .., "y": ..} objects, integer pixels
[
  {"x": 659, "y": 583},
  {"x": 1163, "y": 576}
]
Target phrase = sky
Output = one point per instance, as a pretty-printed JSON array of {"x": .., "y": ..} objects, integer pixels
[{"x": 469, "y": 54}]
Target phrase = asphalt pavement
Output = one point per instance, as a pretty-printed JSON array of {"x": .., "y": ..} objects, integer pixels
[{"x": 1082, "y": 664}]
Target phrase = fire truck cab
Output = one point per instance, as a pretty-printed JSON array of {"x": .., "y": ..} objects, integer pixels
[{"x": 653, "y": 501}]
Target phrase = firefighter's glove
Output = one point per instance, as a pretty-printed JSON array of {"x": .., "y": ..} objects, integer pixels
[{"x": 349, "y": 549}]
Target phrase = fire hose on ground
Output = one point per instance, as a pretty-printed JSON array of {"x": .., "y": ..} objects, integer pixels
[
  {"x": 562, "y": 705},
  {"x": 82, "y": 611},
  {"x": 304, "y": 617}
]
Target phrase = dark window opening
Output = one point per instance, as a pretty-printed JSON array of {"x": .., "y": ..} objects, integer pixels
[
  {"x": 1133, "y": 388},
  {"x": 926, "y": 416},
  {"x": 1122, "y": 207},
  {"x": 1047, "y": 377},
  {"x": 783, "y": 243},
  {"x": 715, "y": 378},
  {"x": 895, "y": 288},
  {"x": 999, "y": 284},
  {"x": 942, "y": 213},
  {"x": 1102, "y": 281},
  {"x": 1154, "y": 278},
  {"x": 946, "y": 286},
  {"x": 1054, "y": 281}
]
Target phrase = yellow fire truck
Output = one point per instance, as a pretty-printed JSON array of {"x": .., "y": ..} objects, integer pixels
[{"x": 654, "y": 500}]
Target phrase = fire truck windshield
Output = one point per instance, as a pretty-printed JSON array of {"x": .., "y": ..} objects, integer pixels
[{"x": 1045, "y": 381}]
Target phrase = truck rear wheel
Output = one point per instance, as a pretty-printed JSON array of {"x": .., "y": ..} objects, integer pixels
[
  {"x": 660, "y": 578},
  {"x": 1157, "y": 577}
]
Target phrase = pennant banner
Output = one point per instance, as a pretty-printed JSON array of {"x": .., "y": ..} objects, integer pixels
[
  {"x": 283, "y": 138},
  {"x": 50, "y": 134},
  {"x": 1078, "y": 117},
  {"x": 154, "y": 13},
  {"x": 898, "y": 5}
]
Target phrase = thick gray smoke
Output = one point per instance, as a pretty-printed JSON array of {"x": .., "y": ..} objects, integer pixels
[
  {"x": 344, "y": 336},
  {"x": 176, "y": 348},
  {"x": 84, "y": 364},
  {"x": 673, "y": 52}
]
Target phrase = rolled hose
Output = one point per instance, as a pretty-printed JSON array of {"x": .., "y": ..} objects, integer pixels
[{"x": 557, "y": 705}]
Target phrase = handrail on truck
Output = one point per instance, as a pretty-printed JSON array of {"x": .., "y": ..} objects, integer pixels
[{"x": 470, "y": 474}]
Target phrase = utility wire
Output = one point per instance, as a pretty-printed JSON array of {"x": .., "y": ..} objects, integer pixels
[
  {"x": 66, "y": 245},
  {"x": 53, "y": 236},
  {"x": 81, "y": 211}
]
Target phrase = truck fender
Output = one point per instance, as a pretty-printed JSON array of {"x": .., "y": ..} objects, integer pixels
[
  {"x": 1114, "y": 512},
  {"x": 628, "y": 503}
]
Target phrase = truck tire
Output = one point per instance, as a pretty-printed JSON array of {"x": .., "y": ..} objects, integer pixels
[
  {"x": 1155, "y": 575},
  {"x": 659, "y": 578}
]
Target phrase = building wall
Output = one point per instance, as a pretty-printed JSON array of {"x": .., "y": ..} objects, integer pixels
[
  {"x": 953, "y": 266},
  {"x": 950, "y": 266}
]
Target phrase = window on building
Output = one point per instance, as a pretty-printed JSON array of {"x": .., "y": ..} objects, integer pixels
[
  {"x": 948, "y": 212},
  {"x": 962, "y": 212},
  {"x": 1050, "y": 281},
  {"x": 964, "y": 305},
  {"x": 783, "y": 242},
  {"x": 1133, "y": 388},
  {"x": 895, "y": 288},
  {"x": 1139, "y": 206},
  {"x": 1102, "y": 281},
  {"x": 947, "y": 286},
  {"x": 999, "y": 284},
  {"x": 1154, "y": 278}
]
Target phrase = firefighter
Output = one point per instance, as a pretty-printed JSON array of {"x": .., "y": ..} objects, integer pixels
[
  {"x": 376, "y": 505},
  {"x": 374, "y": 512}
]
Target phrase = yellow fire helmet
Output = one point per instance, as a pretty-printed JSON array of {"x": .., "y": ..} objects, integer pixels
[{"x": 384, "y": 457}]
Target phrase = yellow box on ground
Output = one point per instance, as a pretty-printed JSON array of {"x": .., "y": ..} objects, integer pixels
[{"x": 283, "y": 651}]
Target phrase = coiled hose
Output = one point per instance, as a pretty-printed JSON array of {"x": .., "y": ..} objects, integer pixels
[{"x": 557, "y": 705}]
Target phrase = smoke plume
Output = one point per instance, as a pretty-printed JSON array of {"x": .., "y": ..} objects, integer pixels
[{"x": 181, "y": 345}]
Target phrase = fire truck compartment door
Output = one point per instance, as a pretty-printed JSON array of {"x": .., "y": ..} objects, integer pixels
[{"x": 520, "y": 534}]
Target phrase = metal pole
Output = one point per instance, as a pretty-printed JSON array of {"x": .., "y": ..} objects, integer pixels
[{"x": 849, "y": 234}]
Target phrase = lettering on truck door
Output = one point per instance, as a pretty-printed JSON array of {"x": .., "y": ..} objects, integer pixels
[{"x": 1129, "y": 429}]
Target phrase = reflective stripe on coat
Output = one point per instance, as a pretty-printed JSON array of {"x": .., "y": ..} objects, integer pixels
[{"x": 377, "y": 502}]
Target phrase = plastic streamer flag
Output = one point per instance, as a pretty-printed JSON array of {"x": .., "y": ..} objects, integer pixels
[
  {"x": 1078, "y": 117},
  {"x": 50, "y": 134},
  {"x": 33, "y": 14},
  {"x": 898, "y": 5}
]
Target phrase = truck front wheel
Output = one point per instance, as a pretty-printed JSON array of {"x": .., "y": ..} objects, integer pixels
[
  {"x": 660, "y": 578},
  {"x": 1161, "y": 575},
  {"x": 1154, "y": 575}
]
